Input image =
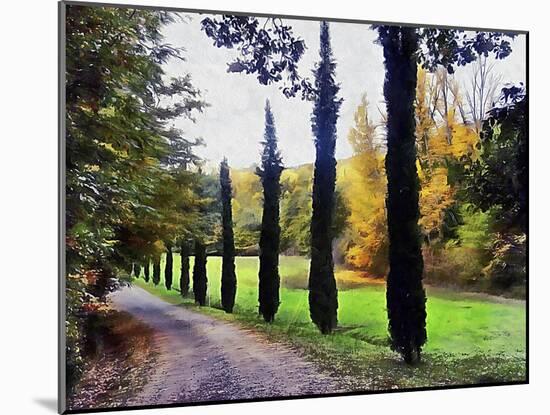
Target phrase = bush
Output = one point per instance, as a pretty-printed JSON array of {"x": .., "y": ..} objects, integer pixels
[
  {"x": 456, "y": 265},
  {"x": 74, "y": 329},
  {"x": 507, "y": 271}
]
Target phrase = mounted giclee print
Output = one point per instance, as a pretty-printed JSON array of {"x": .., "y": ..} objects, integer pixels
[{"x": 260, "y": 207}]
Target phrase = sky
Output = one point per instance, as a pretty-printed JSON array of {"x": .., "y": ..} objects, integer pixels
[{"x": 232, "y": 126}]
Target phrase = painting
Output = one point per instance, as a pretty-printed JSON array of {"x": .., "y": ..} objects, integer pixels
[{"x": 259, "y": 207}]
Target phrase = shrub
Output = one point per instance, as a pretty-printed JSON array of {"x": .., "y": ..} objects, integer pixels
[{"x": 507, "y": 271}]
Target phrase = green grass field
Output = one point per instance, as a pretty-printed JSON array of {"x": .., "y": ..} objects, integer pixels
[{"x": 471, "y": 338}]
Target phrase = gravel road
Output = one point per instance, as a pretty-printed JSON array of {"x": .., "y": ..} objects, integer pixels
[{"x": 204, "y": 359}]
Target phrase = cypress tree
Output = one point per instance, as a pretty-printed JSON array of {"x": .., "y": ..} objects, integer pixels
[
  {"x": 200, "y": 280},
  {"x": 405, "y": 295},
  {"x": 229, "y": 279},
  {"x": 323, "y": 295},
  {"x": 270, "y": 174},
  {"x": 156, "y": 269},
  {"x": 146, "y": 270},
  {"x": 168, "y": 267},
  {"x": 184, "y": 275}
]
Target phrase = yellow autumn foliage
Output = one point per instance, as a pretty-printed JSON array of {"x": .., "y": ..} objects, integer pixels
[
  {"x": 439, "y": 142},
  {"x": 363, "y": 182}
]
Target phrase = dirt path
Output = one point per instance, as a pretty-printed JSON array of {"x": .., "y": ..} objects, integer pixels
[{"x": 204, "y": 359}]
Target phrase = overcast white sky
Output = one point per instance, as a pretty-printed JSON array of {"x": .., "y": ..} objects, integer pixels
[{"x": 233, "y": 125}]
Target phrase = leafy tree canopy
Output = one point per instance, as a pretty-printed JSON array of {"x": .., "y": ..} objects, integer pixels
[{"x": 270, "y": 50}]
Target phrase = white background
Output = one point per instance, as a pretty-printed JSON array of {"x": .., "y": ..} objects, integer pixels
[{"x": 28, "y": 232}]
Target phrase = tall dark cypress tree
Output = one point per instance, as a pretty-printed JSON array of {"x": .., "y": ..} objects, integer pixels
[
  {"x": 156, "y": 270},
  {"x": 200, "y": 280},
  {"x": 405, "y": 295},
  {"x": 270, "y": 175},
  {"x": 168, "y": 267},
  {"x": 323, "y": 295},
  {"x": 146, "y": 269},
  {"x": 184, "y": 275},
  {"x": 229, "y": 279}
]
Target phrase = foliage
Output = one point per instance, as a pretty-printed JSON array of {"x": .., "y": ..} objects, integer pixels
[
  {"x": 406, "y": 299},
  {"x": 445, "y": 145},
  {"x": 270, "y": 175},
  {"x": 270, "y": 51},
  {"x": 403, "y": 48},
  {"x": 200, "y": 279},
  {"x": 507, "y": 270},
  {"x": 184, "y": 272},
  {"x": 117, "y": 133},
  {"x": 122, "y": 196},
  {"x": 323, "y": 301},
  {"x": 137, "y": 270},
  {"x": 449, "y": 48},
  {"x": 207, "y": 227},
  {"x": 74, "y": 323},
  {"x": 476, "y": 227},
  {"x": 229, "y": 279},
  {"x": 156, "y": 270},
  {"x": 364, "y": 187},
  {"x": 169, "y": 267},
  {"x": 296, "y": 210},
  {"x": 460, "y": 261},
  {"x": 247, "y": 214},
  {"x": 146, "y": 270},
  {"x": 499, "y": 175}
]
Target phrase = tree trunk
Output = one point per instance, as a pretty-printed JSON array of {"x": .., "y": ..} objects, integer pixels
[
  {"x": 405, "y": 296},
  {"x": 184, "y": 276},
  {"x": 269, "y": 279},
  {"x": 147, "y": 270},
  {"x": 156, "y": 270},
  {"x": 137, "y": 270},
  {"x": 200, "y": 280},
  {"x": 168, "y": 268}
]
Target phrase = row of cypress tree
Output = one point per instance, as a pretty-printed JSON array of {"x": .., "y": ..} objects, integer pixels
[
  {"x": 199, "y": 270},
  {"x": 323, "y": 300},
  {"x": 269, "y": 280},
  {"x": 200, "y": 279}
]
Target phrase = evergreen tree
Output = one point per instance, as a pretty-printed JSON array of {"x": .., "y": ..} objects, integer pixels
[
  {"x": 200, "y": 279},
  {"x": 156, "y": 270},
  {"x": 270, "y": 175},
  {"x": 405, "y": 296},
  {"x": 323, "y": 295},
  {"x": 499, "y": 175},
  {"x": 168, "y": 267},
  {"x": 229, "y": 279},
  {"x": 184, "y": 276},
  {"x": 146, "y": 270}
]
